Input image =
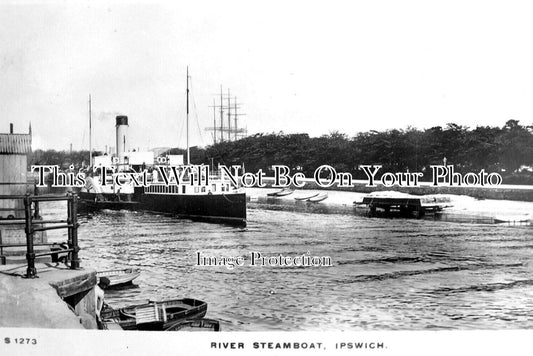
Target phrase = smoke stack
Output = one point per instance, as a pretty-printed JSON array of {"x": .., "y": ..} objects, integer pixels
[
  {"x": 122, "y": 133},
  {"x": 10, "y": 128}
]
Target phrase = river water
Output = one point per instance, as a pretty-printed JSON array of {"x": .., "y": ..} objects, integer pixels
[{"x": 386, "y": 274}]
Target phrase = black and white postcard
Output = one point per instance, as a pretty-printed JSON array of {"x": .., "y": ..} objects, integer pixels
[{"x": 288, "y": 177}]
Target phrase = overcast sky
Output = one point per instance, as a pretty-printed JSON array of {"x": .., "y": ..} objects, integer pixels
[{"x": 296, "y": 66}]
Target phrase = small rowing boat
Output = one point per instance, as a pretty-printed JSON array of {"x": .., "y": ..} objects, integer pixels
[
  {"x": 318, "y": 198},
  {"x": 154, "y": 315},
  {"x": 117, "y": 277},
  {"x": 305, "y": 197},
  {"x": 512, "y": 220},
  {"x": 280, "y": 193},
  {"x": 195, "y": 325}
]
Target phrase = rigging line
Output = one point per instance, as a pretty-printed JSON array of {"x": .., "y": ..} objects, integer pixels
[
  {"x": 198, "y": 124},
  {"x": 181, "y": 125},
  {"x": 196, "y": 115},
  {"x": 180, "y": 138},
  {"x": 83, "y": 140}
]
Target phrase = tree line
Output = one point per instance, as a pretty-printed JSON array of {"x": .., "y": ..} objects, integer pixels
[{"x": 507, "y": 150}]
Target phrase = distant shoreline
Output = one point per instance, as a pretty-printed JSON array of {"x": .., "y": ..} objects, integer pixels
[{"x": 500, "y": 192}]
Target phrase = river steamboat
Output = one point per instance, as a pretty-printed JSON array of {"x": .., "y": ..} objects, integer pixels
[{"x": 220, "y": 201}]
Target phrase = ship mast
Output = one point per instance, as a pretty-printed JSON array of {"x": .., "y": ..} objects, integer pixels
[
  {"x": 188, "y": 152},
  {"x": 229, "y": 116},
  {"x": 90, "y": 135},
  {"x": 221, "y": 117},
  {"x": 236, "y": 131},
  {"x": 214, "y": 122}
]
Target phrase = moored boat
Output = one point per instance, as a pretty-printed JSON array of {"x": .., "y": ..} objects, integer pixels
[
  {"x": 195, "y": 325},
  {"x": 103, "y": 191},
  {"x": 512, "y": 220},
  {"x": 130, "y": 180},
  {"x": 154, "y": 315},
  {"x": 305, "y": 197},
  {"x": 281, "y": 193},
  {"x": 88, "y": 202},
  {"x": 318, "y": 198},
  {"x": 118, "y": 277},
  {"x": 404, "y": 204},
  {"x": 222, "y": 203}
]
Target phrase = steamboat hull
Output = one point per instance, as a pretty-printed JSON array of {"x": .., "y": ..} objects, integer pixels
[
  {"x": 94, "y": 201},
  {"x": 219, "y": 208}
]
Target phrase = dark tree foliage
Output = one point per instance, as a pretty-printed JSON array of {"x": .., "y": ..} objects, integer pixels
[
  {"x": 507, "y": 150},
  {"x": 61, "y": 158}
]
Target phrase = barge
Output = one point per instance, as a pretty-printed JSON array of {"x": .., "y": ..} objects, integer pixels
[{"x": 403, "y": 204}]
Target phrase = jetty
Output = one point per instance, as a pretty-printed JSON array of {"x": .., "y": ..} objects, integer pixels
[{"x": 42, "y": 284}]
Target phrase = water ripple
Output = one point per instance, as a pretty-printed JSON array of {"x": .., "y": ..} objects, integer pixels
[{"x": 387, "y": 274}]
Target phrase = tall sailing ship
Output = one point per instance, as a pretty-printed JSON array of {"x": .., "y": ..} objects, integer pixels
[{"x": 221, "y": 200}]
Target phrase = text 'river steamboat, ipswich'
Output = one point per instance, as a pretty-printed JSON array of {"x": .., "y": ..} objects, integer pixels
[{"x": 196, "y": 195}]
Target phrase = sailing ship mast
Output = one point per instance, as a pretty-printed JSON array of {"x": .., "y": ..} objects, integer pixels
[
  {"x": 236, "y": 131},
  {"x": 90, "y": 135},
  {"x": 188, "y": 152}
]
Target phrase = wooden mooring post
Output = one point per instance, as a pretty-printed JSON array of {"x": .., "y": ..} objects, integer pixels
[
  {"x": 31, "y": 271},
  {"x": 73, "y": 230}
]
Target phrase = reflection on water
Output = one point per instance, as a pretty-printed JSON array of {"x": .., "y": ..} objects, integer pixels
[{"x": 387, "y": 274}]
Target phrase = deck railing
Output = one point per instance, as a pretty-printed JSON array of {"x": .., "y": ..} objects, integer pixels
[{"x": 34, "y": 223}]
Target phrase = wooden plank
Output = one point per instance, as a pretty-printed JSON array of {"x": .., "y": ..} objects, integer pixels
[{"x": 3, "y": 168}]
